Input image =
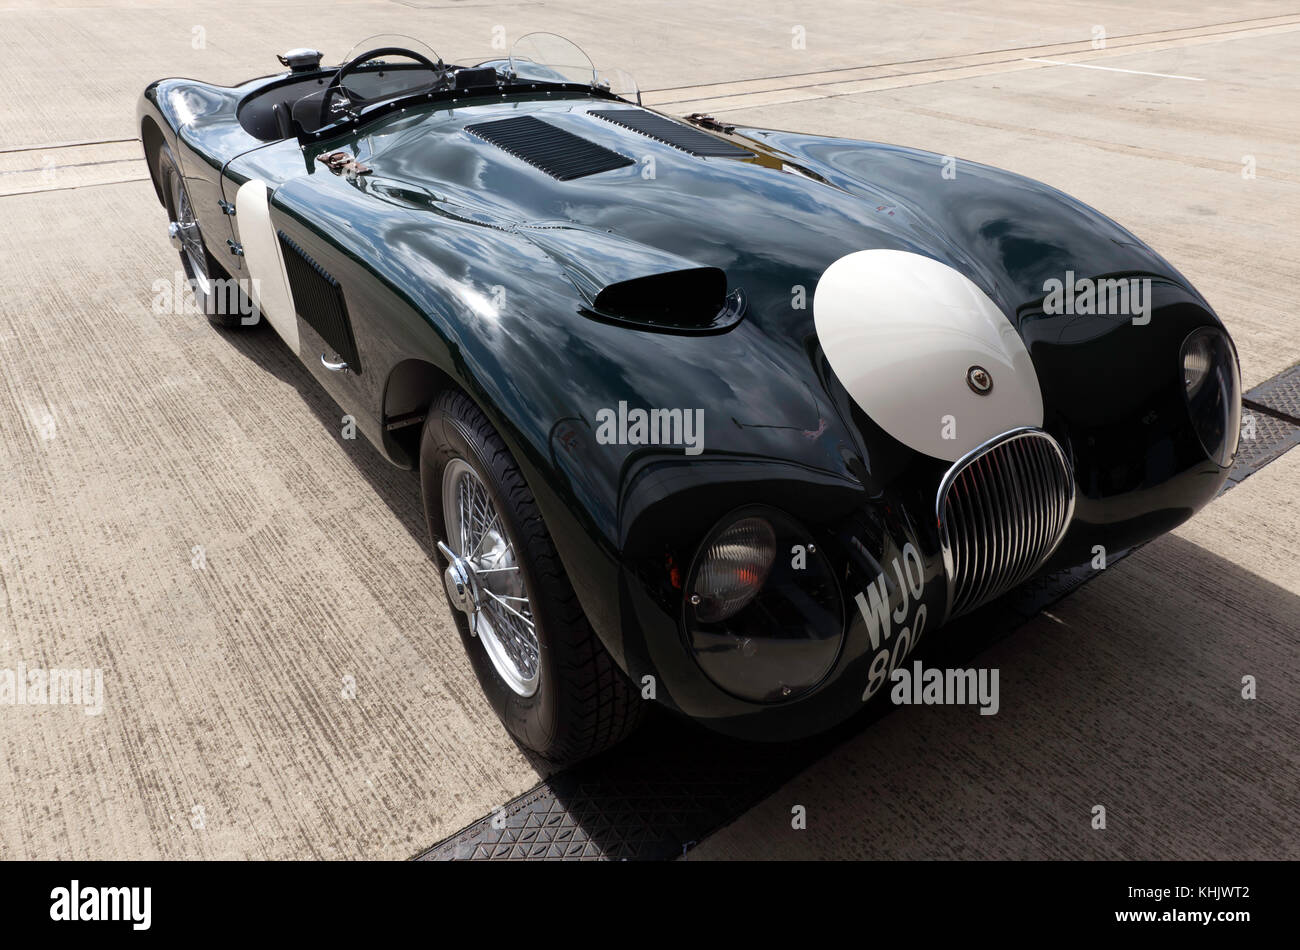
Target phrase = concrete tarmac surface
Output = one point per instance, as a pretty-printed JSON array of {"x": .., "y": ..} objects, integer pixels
[{"x": 280, "y": 676}]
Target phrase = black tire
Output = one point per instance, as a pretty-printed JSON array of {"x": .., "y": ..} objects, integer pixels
[
  {"x": 223, "y": 303},
  {"x": 583, "y": 702}
]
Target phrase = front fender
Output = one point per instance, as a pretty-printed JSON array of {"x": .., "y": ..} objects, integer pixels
[{"x": 1008, "y": 233}]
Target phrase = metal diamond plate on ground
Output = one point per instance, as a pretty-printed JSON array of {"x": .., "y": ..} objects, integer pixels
[{"x": 1281, "y": 394}]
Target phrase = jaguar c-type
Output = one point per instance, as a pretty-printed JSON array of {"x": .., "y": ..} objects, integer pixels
[{"x": 728, "y": 419}]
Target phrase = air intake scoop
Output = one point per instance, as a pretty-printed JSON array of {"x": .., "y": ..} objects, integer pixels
[{"x": 636, "y": 284}]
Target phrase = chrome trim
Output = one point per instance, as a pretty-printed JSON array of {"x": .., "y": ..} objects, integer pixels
[
  {"x": 334, "y": 366},
  {"x": 184, "y": 235},
  {"x": 461, "y": 589},
  {"x": 1011, "y": 518}
]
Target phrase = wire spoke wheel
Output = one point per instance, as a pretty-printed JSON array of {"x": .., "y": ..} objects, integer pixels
[
  {"x": 541, "y": 664},
  {"x": 217, "y": 297},
  {"x": 494, "y": 595},
  {"x": 185, "y": 236}
]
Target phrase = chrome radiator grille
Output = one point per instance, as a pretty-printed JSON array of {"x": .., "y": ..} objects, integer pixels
[{"x": 1002, "y": 511}]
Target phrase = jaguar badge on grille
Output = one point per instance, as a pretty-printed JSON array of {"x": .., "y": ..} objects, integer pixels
[{"x": 979, "y": 380}]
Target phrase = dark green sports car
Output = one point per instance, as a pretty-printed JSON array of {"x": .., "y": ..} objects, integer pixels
[{"x": 729, "y": 419}]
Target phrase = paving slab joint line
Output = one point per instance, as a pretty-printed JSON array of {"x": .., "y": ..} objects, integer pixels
[
  {"x": 1006, "y": 49},
  {"x": 55, "y": 146}
]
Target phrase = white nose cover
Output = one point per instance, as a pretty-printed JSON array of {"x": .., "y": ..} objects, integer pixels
[{"x": 903, "y": 331}]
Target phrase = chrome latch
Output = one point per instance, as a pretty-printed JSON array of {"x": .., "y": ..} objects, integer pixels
[{"x": 343, "y": 163}]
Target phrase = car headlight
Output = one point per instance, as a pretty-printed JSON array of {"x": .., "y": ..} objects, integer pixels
[
  {"x": 1212, "y": 387},
  {"x": 763, "y": 613},
  {"x": 733, "y": 569}
]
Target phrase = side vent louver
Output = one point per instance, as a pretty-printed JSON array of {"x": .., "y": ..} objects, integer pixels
[
  {"x": 672, "y": 133},
  {"x": 560, "y": 154},
  {"x": 318, "y": 299}
]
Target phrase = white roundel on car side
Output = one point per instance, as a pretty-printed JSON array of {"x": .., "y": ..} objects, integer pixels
[
  {"x": 270, "y": 282},
  {"x": 905, "y": 333}
]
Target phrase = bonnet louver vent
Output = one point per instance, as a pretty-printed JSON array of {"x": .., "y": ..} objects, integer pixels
[
  {"x": 318, "y": 298},
  {"x": 672, "y": 133},
  {"x": 560, "y": 154}
]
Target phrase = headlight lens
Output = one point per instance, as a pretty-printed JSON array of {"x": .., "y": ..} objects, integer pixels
[
  {"x": 763, "y": 614},
  {"x": 1212, "y": 386},
  {"x": 733, "y": 569},
  {"x": 1197, "y": 354}
]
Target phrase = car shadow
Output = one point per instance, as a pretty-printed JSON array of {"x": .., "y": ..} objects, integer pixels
[
  {"x": 398, "y": 488},
  {"x": 671, "y": 759},
  {"x": 1133, "y": 697},
  {"x": 673, "y": 784}
]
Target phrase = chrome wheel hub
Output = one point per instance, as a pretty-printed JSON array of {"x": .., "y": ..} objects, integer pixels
[
  {"x": 174, "y": 235},
  {"x": 184, "y": 236},
  {"x": 484, "y": 581},
  {"x": 458, "y": 579}
]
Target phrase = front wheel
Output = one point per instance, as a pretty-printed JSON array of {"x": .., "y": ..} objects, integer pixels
[
  {"x": 220, "y": 299},
  {"x": 541, "y": 665}
]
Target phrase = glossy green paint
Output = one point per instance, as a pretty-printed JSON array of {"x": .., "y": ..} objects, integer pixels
[{"x": 462, "y": 258}]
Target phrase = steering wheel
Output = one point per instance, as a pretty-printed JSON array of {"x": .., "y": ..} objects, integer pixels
[{"x": 346, "y": 68}]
